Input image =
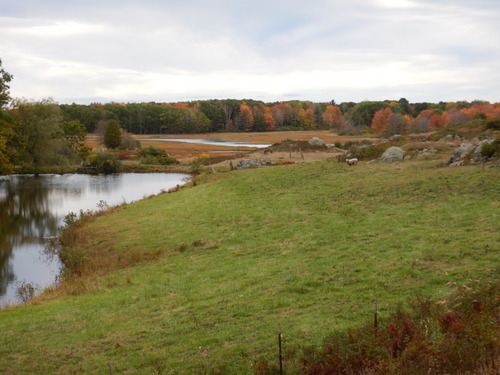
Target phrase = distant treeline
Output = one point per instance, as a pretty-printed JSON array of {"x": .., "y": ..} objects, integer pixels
[{"x": 383, "y": 117}]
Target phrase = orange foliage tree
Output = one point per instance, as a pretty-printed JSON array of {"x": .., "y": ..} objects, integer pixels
[
  {"x": 305, "y": 118},
  {"x": 380, "y": 120},
  {"x": 437, "y": 120},
  {"x": 246, "y": 117},
  {"x": 269, "y": 119},
  {"x": 331, "y": 116}
]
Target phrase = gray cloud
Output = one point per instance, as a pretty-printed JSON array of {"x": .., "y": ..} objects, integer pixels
[{"x": 269, "y": 50}]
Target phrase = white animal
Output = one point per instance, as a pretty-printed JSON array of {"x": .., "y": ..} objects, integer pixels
[{"x": 351, "y": 161}]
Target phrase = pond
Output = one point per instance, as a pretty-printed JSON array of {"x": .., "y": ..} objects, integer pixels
[
  {"x": 212, "y": 142},
  {"x": 33, "y": 208}
]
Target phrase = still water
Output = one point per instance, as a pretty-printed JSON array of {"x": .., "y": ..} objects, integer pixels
[
  {"x": 33, "y": 208},
  {"x": 212, "y": 142}
]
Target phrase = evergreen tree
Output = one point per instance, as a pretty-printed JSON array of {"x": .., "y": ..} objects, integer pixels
[{"x": 112, "y": 134}]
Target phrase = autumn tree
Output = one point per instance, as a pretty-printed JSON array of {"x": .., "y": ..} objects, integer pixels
[
  {"x": 246, "y": 118},
  {"x": 437, "y": 120},
  {"x": 269, "y": 120},
  {"x": 331, "y": 116},
  {"x": 112, "y": 134},
  {"x": 282, "y": 114},
  {"x": 305, "y": 118},
  {"x": 380, "y": 120}
]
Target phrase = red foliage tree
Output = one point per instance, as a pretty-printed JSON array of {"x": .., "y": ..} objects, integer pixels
[
  {"x": 380, "y": 120},
  {"x": 437, "y": 120}
]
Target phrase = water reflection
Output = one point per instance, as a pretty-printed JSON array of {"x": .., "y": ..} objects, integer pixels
[
  {"x": 32, "y": 208},
  {"x": 25, "y": 219}
]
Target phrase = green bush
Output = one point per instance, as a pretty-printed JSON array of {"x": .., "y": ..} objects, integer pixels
[
  {"x": 492, "y": 123},
  {"x": 152, "y": 151},
  {"x": 104, "y": 162},
  {"x": 157, "y": 156},
  {"x": 369, "y": 152},
  {"x": 489, "y": 150}
]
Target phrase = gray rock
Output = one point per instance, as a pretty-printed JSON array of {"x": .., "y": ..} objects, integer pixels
[
  {"x": 463, "y": 150},
  {"x": 392, "y": 154},
  {"x": 460, "y": 153},
  {"x": 451, "y": 137},
  {"x": 247, "y": 163},
  {"x": 477, "y": 157},
  {"x": 395, "y": 137},
  {"x": 456, "y": 163},
  {"x": 315, "y": 141},
  {"x": 427, "y": 151}
]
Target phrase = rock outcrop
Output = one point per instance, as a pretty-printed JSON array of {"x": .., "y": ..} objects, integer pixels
[
  {"x": 469, "y": 153},
  {"x": 315, "y": 141},
  {"x": 249, "y": 163},
  {"x": 392, "y": 154}
]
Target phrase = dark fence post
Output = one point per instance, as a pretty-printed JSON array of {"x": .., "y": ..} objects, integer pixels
[
  {"x": 280, "y": 349},
  {"x": 375, "y": 315},
  {"x": 110, "y": 369}
]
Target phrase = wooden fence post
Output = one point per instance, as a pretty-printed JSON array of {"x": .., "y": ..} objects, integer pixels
[{"x": 280, "y": 350}]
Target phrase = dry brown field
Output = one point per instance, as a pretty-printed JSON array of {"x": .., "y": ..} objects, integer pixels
[{"x": 188, "y": 151}]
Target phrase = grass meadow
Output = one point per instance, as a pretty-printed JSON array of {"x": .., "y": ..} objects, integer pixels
[{"x": 197, "y": 281}]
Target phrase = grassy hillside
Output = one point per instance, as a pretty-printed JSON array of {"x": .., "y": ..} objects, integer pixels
[{"x": 206, "y": 274}]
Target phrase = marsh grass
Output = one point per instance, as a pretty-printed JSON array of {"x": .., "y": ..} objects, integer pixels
[{"x": 197, "y": 281}]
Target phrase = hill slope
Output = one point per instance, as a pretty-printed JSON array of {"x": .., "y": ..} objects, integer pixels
[{"x": 309, "y": 246}]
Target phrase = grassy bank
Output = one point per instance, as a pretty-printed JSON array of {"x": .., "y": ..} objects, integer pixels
[{"x": 197, "y": 281}]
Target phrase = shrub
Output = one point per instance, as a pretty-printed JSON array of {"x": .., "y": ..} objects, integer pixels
[
  {"x": 128, "y": 142},
  {"x": 369, "y": 152},
  {"x": 202, "y": 156},
  {"x": 26, "y": 291},
  {"x": 157, "y": 156},
  {"x": 153, "y": 152},
  {"x": 431, "y": 338},
  {"x": 492, "y": 123},
  {"x": 160, "y": 160},
  {"x": 104, "y": 163},
  {"x": 489, "y": 150},
  {"x": 126, "y": 154}
]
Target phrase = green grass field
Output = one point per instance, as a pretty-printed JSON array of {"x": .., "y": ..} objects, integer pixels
[{"x": 206, "y": 274}]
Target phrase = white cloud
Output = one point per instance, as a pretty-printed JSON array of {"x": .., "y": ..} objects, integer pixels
[
  {"x": 396, "y": 3},
  {"x": 56, "y": 29},
  {"x": 166, "y": 50}
]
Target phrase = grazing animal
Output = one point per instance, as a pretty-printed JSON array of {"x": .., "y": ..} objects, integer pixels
[{"x": 351, "y": 161}]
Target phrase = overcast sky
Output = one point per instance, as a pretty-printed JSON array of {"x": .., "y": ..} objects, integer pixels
[{"x": 272, "y": 50}]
